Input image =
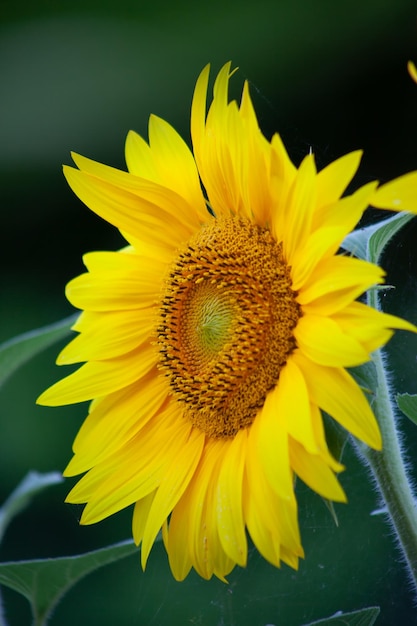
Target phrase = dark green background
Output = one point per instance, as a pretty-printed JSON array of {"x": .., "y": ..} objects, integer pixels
[{"x": 77, "y": 76}]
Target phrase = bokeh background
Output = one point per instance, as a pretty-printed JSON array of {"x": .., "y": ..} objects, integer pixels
[{"x": 77, "y": 76}]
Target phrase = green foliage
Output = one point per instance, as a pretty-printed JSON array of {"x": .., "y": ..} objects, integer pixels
[
  {"x": 407, "y": 403},
  {"x": 43, "y": 582},
  {"x": 382, "y": 235},
  {"x": 364, "y": 617},
  {"x": 370, "y": 242},
  {"x": 329, "y": 504},
  {"x": 21, "y": 497},
  {"x": 17, "y": 351}
]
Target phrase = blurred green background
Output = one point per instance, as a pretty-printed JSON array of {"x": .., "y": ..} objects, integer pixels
[{"x": 77, "y": 76}]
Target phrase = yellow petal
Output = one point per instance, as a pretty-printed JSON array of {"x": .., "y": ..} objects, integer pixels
[
  {"x": 113, "y": 175},
  {"x": 347, "y": 211},
  {"x": 290, "y": 534},
  {"x": 399, "y": 194},
  {"x": 223, "y": 161},
  {"x": 283, "y": 173},
  {"x": 290, "y": 558},
  {"x": 368, "y": 326},
  {"x": 229, "y": 509},
  {"x": 220, "y": 146},
  {"x": 336, "y": 282},
  {"x": 256, "y": 174},
  {"x": 335, "y": 392},
  {"x": 179, "y": 534},
  {"x": 140, "y": 158},
  {"x": 222, "y": 563},
  {"x": 322, "y": 244},
  {"x": 134, "y": 471},
  {"x": 333, "y": 223},
  {"x": 312, "y": 469},
  {"x": 99, "y": 378},
  {"x": 175, "y": 164},
  {"x": 265, "y": 540},
  {"x": 109, "y": 335},
  {"x": 177, "y": 476},
  {"x": 300, "y": 208},
  {"x": 177, "y": 187},
  {"x": 193, "y": 536},
  {"x": 269, "y": 439},
  {"x": 113, "y": 291},
  {"x": 125, "y": 260},
  {"x": 121, "y": 470},
  {"x": 198, "y": 112},
  {"x": 282, "y": 168},
  {"x": 143, "y": 218},
  {"x": 271, "y": 521},
  {"x": 322, "y": 340},
  {"x": 114, "y": 420},
  {"x": 320, "y": 437},
  {"x": 140, "y": 515},
  {"x": 335, "y": 177},
  {"x": 293, "y": 405}
]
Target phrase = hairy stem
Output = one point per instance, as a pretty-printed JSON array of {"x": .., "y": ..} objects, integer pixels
[{"x": 388, "y": 466}]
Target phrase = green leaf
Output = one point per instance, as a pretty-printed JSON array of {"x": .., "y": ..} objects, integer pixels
[
  {"x": 15, "y": 352},
  {"x": 384, "y": 233},
  {"x": 43, "y": 582},
  {"x": 363, "y": 617},
  {"x": 329, "y": 504},
  {"x": 357, "y": 242},
  {"x": 369, "y": 242},
  {"x": 407, "y": 403},
  {"x": 21, "y": 497}
]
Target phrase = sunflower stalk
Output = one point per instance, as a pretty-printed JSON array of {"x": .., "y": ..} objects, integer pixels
[{"x": 389, "y": 466}]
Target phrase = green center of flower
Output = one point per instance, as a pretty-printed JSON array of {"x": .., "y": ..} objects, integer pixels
[
  {"x": 206, "y": 324},
  {"x": 226, "y": 324}
]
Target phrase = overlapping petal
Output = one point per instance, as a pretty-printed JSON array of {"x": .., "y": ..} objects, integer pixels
[
  {"x": 334, "y": 390},
  {"x": 103, "y": 433},
  {"x": 167, "y": 161},
  {"x": 98, "y": 378}
]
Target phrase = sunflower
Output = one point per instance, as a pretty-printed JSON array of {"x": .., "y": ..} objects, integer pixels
[{"x": 212, "y": 343}]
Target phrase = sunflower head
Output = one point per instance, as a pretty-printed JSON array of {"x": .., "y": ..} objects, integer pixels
[
  {"x": 212, "y": 343},
  {"x": 227, "y": 322}
]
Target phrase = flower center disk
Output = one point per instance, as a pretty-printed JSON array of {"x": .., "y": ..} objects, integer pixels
[{"x": 226, "y": 324}]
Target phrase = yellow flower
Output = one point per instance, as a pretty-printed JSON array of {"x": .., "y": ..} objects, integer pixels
[{"x": 214, "y": 340}]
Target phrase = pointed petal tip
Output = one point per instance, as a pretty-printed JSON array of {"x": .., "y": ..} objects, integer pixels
[
  {"x": 131, "y": 134},
  {"x": 47, "y": 399},
  {"x": 377, "y": 444}
]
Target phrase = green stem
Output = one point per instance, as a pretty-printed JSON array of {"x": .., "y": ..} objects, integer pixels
[{"x": 388, "y": 466}]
